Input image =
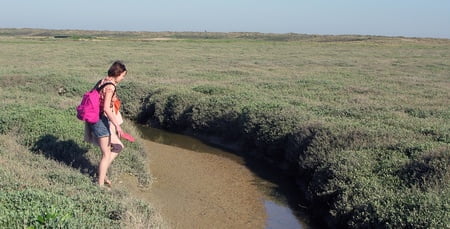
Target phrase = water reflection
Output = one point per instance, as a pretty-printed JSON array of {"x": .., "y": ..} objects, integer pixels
[
  {"x": 185, "y": 142},
  {"x": 280, "y": 216}
]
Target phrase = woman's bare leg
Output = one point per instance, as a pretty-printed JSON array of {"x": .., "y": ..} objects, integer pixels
[
  {"x": 105, "y": 161},
  {"x": 113, "y": 156}
]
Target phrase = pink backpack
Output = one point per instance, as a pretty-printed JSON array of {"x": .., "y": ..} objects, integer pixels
[{"x": 89, "y": 108}]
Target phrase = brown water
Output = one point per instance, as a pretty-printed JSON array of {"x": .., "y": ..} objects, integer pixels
[{"x": 200, "y": 186}]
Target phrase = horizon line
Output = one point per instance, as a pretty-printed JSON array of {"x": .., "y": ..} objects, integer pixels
[{"x": 222, "y": 32}]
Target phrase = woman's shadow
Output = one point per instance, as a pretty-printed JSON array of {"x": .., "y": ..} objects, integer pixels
[{"x": 68, "y": 152}]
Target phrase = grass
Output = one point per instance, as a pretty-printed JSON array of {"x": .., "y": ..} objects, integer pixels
[
  {"x": 361, "y": 122},
  {"x": 47, "y": 171},
  {"x": 38, "y": 192}
]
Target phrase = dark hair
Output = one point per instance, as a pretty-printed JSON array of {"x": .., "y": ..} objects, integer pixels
[{"x": 116, "y": 69}]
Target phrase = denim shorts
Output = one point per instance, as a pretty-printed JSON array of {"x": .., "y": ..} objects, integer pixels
[{"x": 101, "y": 128}]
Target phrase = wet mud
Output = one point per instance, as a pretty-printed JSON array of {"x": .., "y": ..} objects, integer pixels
[{"x": 199, "y": 186}]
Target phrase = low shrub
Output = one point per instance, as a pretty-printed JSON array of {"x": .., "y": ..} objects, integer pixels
[
  {"x": 265, "y": 127},
  {"x": 54, "y": 84},
  {"x": 403, "y": 208},
  {"x": 211, "y": 90},
  {"x": 178, "y": 111},
  {"x": 428, "y": 168},
  {"x": 168, "y": 109},
  {"x": 217, "y": 116},
  {"x": 132, "y": 95},
  {"x": 41, "y": 209},
  {"x": 33, "y": 122},
  {"x": 352, "y": 174}
]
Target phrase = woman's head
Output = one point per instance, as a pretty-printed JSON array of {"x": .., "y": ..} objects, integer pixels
[{"x": 117, "y": 69}]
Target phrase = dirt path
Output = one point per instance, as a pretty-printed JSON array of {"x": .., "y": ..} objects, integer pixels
[{"x": 201, "y": 190}]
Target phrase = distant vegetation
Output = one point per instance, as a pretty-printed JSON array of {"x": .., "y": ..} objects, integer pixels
[{"x": 361, "y": 122}]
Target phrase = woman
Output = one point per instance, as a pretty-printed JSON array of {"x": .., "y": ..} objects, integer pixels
[{"x": 107, "y": 131}]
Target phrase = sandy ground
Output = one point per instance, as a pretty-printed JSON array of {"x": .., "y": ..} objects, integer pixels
[{"x": 215, "y": 193}]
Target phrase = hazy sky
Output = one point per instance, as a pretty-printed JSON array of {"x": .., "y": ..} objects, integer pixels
[{"x": 411, "y": 18}]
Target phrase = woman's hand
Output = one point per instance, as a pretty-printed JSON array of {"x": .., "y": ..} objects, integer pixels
[{"x": 119, "y": 130}]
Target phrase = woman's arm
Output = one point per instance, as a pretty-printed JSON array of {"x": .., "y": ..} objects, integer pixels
[{"x": 109, "y": 91}]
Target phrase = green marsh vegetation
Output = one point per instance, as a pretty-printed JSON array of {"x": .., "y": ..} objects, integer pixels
[
  {"x": 361, "y": 122},
  {"x": 47, "y": 172}
]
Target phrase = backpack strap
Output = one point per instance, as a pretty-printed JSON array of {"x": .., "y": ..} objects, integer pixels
[
  {"x": 96, "y": 87},
  {"x": 104, "y": 85}
]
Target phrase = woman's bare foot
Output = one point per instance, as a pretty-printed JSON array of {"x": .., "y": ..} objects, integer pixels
[
  {"x": 105, "y": 187},
  {"x": 108, "y": 182}
]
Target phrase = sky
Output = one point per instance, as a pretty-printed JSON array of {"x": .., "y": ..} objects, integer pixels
[{"x": 408, "y": 18}]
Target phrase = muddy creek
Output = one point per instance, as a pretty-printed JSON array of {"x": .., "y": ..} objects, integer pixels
[{"x": 200, "y": 186}]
